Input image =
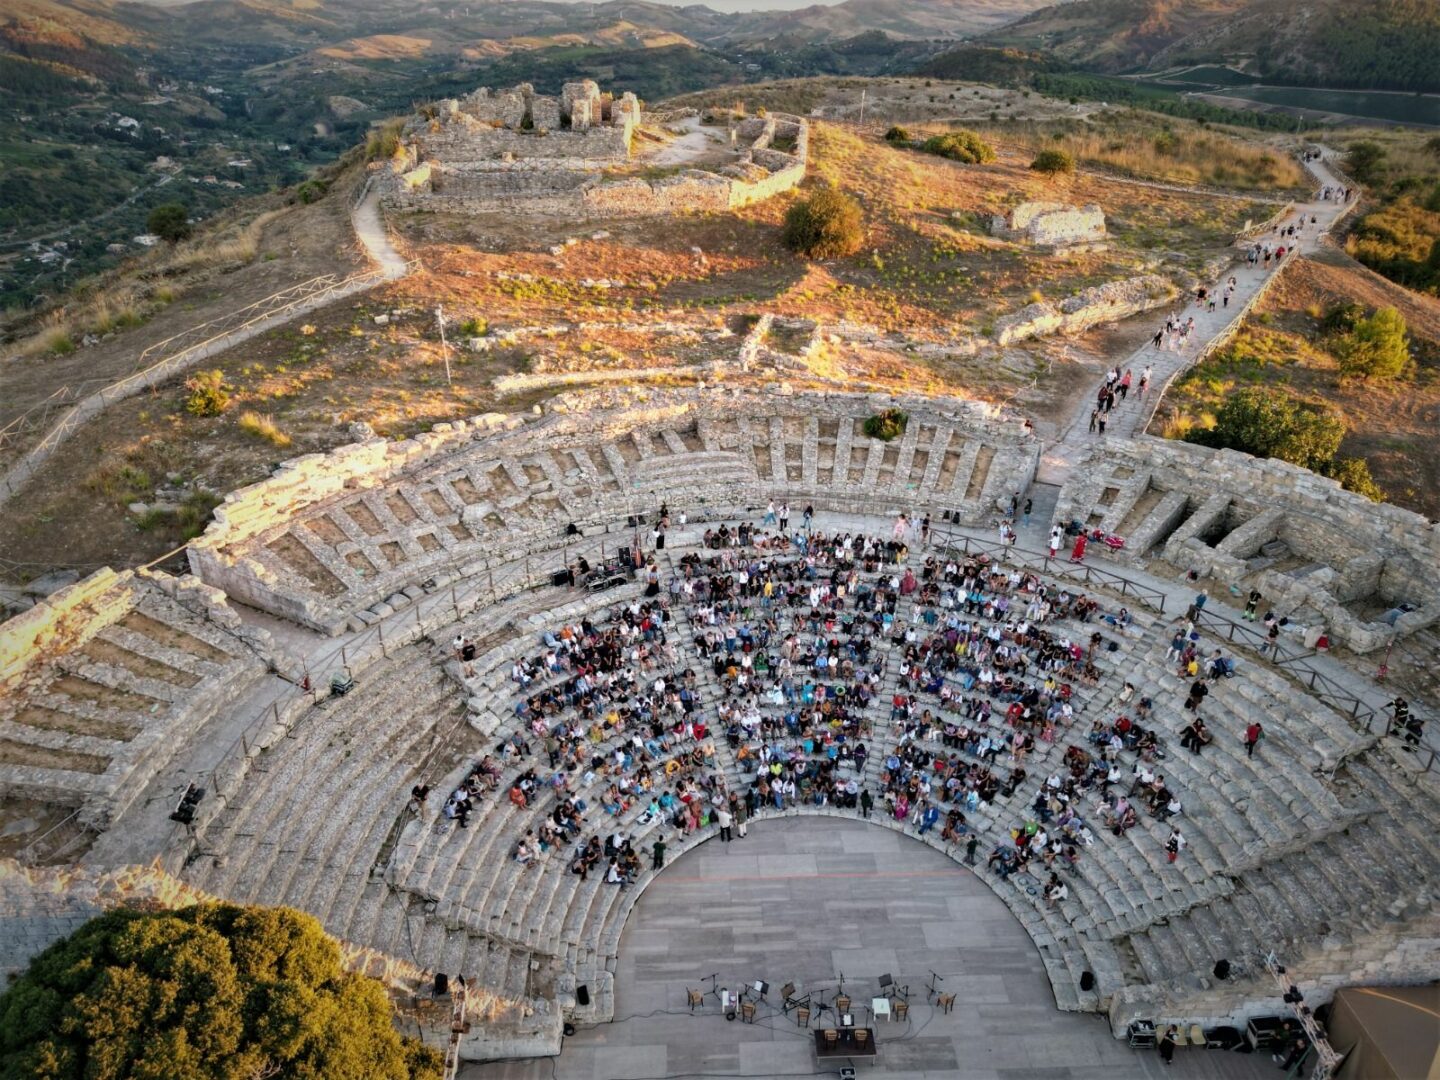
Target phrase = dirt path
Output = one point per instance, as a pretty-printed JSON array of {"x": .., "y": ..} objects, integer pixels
[
  {"x": 1131, "y": 416},
  {"x": 389, "y": 264}
]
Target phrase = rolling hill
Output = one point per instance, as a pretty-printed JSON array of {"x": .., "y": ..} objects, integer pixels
[{"x": 1380, "y": 44}]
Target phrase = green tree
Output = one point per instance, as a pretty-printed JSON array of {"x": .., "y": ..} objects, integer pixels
[
  {"x": 897, "y": 134},
  {"x": 962, "y": 145},
  {"x": 210, "y": 992},
  {"x": 1354, "y": 475},
  {"x": 170, "y": 222},
  {"x": 1270, "y": 423},
  {"x": 1364, "y": 159},
  {"x": 1053, "y": 163},
  {"x": 827, "y": 225},
  {"x": 1377, "y": 347}
]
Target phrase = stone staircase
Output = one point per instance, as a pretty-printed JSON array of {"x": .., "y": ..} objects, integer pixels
[
  {"x": 144, "y": 661},
  {"x": 1331, "y": 868}
]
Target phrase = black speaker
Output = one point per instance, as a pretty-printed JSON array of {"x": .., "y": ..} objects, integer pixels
[
  {"x": 562, "y": 577},
  {"x": 582, "y": 994},
  {"x": 1222, "y": 969},
  {"x": 442, "y": 984},
  {"x": 1087, "y": 981}
]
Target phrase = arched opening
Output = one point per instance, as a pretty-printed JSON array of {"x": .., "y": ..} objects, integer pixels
[{"x": 812, "y": 899}]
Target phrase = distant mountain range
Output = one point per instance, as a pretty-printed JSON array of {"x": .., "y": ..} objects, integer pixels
[
  {"x": 1362, "y": 44},
  {"x": 110, "y": 107}
]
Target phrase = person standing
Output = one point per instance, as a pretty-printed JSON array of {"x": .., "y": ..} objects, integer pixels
[
  {"x": 784, "y": 517},
  {"x": 1251, "y": 603},
  {"x": 724, "y": 819},
  {"x": 1167, "y": 1044},
  {"x": 867, "y": 803},
  {"x": 970, "y": 846},
  {"x": 1253, "y": 734},
  {"x": 1057, "y": 534},
  {"x": 657, "y": 853},
  {"x": 1029, "y": 505}
]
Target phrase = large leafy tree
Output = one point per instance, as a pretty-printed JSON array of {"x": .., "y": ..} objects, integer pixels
[{"x": 211, "y": 992}]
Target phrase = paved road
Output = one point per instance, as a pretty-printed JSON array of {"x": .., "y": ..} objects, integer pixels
[{"x": 1129, "y": 418}]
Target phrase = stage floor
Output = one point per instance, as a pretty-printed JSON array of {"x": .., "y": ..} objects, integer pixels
[{"x": 803, "y": 899}]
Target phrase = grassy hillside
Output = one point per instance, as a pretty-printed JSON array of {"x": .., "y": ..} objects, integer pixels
[{"x": 1382, "y": 44}]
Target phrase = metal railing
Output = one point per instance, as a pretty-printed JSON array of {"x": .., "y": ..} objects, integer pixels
[
  {"x": 1059, "y": 566},
  {"x": 1284, "y": 657}
]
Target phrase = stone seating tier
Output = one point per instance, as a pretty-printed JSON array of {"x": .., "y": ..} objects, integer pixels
[
  {"x": 1269, "y": 864},
  {"x": 470, "y": 499},
  {"x": 122, "y": 671}
]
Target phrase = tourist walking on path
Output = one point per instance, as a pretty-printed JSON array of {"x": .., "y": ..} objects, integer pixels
[
  {"x": 1077, "y": 553},
  {"x": 1253, "y": 734}
]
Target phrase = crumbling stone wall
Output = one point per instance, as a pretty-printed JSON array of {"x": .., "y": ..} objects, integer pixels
[
  {"x": 1218, "y": 511},
  {"x": 1054, "y": 225},
  {"x": 516, "y": 150},
  {"x": 1099, "y": 304}
]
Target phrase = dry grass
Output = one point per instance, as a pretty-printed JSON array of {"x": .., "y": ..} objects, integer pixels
[
  {"x": 132, "y": 300},
  {"x": 263, "y": 427},
  {"x": 1182, "y": 153}
]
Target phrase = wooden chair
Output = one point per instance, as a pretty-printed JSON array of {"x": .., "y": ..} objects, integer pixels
[
  {"x": 946, "y": 1002},
  {"x": 862, "y": 1039},
  {"x": 747, "y": 1011},
  {"x": 802, "y": 1016},
  {"x": 842, "y": 1004},
  {"x": 696, "y": 998},
  {"x": 832, "y": 1038},
  {"x": 900, "y": 1010},
  {"x": 787, "y": 992},
  {"x": 1197, "y": 1035}
]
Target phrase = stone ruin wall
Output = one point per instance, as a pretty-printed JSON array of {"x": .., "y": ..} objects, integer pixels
[
  {"x": 1055, "y": 225},
  {"x": 461, "y": 168},
  {"x": 1110, "y": 302},
  {"x": 1367, "y": 549}
]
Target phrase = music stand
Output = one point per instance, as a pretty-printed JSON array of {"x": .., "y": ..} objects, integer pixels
[
  {"x": 713, "y": 980},
  {"x": 761, "y": 988},
  {"x": 931, "y": 988}
]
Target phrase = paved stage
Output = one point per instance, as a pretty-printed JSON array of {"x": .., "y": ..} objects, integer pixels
[{"x": 804, "y": 899}]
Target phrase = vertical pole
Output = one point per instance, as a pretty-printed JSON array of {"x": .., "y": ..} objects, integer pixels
[
  {"x": 444, "y": 345},
  {"x": 454, "y": 602}
]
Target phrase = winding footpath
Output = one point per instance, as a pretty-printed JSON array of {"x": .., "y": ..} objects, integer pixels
[
  {"x": 1130, "y": 417},
  {"x": 387, "y": 264}
]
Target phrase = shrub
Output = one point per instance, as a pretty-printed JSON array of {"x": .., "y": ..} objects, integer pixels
[
  {"x": 383, "y": 142},
  {"x": 1341, "y": 318},
  {"x": 887, "y": 425},
  {"x": 1354, "y": 475},
  {"x": 1377, "y": 347},
  {"x": 209, "y": 393},
  {"x": 263, "y": 427},
  {"x": 827, "y": 225},
  {"x": 170, "y": 222},
  {"x": 897, "y": 134},
  {"x": 310, "y": 191},
  {"x": 474, "y": 327},
  {"x": 1053, "y": 163},
  {"x": 210, "y": 992},
  {"x": 964, "y": 146},
  {"x": 1272, "y": 423},
  {"x": 1363, "y": 159}
]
